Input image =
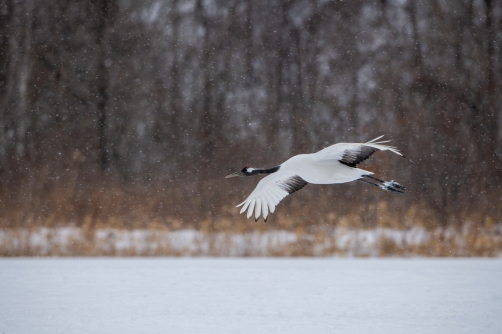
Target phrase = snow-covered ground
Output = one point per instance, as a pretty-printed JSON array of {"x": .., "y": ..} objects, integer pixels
[
  {"x": 159, "y": 295},
  {"x": 71, "y": 241}
]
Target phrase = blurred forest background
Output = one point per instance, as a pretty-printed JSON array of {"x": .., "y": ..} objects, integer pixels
[{"x": 128, "y": 114}]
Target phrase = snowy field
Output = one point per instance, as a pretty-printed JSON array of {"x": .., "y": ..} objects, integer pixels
[
  {"x": 159, "y": 295},
  {"x": 376, "y": 242}
]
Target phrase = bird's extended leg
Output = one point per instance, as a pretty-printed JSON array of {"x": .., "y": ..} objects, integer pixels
[
  {"x": 373, "y": 178},
  {"x": 368, "y": 182},
  {"x": 389, "y": 186},
  {"x": 392, "y": 184}
]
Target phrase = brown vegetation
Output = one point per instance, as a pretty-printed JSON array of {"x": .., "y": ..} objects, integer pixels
[{"x": 380, "y": 242}]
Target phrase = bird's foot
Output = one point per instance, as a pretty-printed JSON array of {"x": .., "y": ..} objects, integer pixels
[
  {"x": 393, "y": 186},
  {"x": 396, "y": 185}
]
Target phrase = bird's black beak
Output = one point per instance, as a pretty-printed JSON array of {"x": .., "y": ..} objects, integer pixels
[{"x": 233, "y": 175}]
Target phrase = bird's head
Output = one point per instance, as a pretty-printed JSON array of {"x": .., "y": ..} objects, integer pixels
[{"x": 246, "y": 171}]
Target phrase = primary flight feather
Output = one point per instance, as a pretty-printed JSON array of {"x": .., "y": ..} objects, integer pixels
[{"x": 334, "y": 164}]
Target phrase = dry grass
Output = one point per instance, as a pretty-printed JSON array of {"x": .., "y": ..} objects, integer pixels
[
  {"x": 380, "y": 242},
  {"x": 150, "y": 219}
]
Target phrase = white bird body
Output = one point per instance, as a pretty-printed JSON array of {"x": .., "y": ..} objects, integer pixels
[
  {"x": 331, "y": 165},
  {"x": 317, "y": 171}
]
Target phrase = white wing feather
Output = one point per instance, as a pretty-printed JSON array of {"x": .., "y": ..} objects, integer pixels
[
  {"x": 337, "y": 151},
  {"x": 269, "y": 192}
]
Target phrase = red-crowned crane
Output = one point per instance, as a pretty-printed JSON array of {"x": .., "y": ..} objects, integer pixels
[{"x": 334, "y": 164}]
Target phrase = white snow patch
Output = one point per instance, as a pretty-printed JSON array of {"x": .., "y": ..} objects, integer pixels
[
  {"x": 109, "y": 241},
  {"x": 250, "y": 295}
]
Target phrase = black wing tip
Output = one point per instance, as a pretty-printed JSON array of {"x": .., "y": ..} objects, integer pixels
[
  {"x": 353, "y": 158},
  {"x": 294, "y": 184},
  {"x": 256, "y": 219}
]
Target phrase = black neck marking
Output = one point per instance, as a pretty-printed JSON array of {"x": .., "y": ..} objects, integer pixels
[
  {"x": 257, "y": 171},
  {"x": 270, "y": 170}
]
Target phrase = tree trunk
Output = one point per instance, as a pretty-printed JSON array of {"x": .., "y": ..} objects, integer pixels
[{"x": 105, "y": 16}]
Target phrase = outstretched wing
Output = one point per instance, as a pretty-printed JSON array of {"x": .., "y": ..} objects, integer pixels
[
  {"x": 351, "y": 154},
  {"x": 270, "y": 191}
]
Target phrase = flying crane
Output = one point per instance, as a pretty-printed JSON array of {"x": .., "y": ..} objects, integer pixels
[{"x": 334, "y": 164}]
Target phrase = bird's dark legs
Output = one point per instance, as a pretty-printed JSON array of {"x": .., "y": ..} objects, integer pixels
[
  {"x": 368, "y": 182},
  {"x": 394, "y": 184},
  {"x": 373, "y": 178},
  {"x": 385, "y": 185}
]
